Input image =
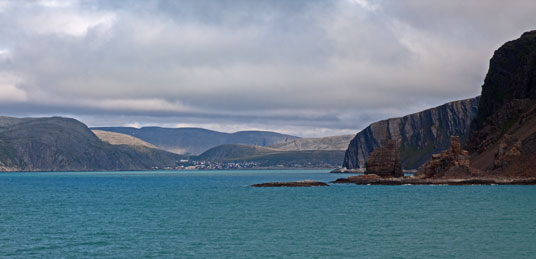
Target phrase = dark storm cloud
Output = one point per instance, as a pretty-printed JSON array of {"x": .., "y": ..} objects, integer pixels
[{"x": 302, "y": 67}]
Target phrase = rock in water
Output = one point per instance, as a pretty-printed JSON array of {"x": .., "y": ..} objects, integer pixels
[
  {"x": 452, "y": 163},
  {"x": 305, "y": 183},
  {"x": 385, "y": 161}
]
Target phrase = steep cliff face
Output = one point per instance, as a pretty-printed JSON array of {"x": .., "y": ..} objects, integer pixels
[
  {"x": 503, "y": 140},
  {"x": 420, "y": 134},
  {"x": 509, "y": 91}
]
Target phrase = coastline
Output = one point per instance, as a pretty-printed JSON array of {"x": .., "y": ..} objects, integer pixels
[{"x": 358, "y": 180}]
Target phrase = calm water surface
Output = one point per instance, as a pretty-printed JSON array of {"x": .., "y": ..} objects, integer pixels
[{"x": 214, "y": 214}]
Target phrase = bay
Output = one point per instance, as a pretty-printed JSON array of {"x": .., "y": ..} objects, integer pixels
[{"x": 215, "y": 214}]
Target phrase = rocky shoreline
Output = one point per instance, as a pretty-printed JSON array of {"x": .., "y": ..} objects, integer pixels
[
  {"x": 364, "y": 180},
  {"x": 368, "y": 180},
  {"x": 450, "y": 167}
]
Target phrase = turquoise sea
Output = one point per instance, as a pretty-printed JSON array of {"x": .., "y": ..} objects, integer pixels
[{"x": 214, "y": 214}]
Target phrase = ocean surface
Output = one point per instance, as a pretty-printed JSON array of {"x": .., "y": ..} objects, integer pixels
[{"x": 214, "y": 214}]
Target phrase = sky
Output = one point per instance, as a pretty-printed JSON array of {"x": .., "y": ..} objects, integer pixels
[{"x": 309, "y": 68}]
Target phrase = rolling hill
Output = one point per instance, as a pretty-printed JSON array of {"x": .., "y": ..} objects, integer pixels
[
  {"x": 269, "y": 157},
  {"x": 326, "y": 143},
  {"x": 234, "y": 152},
  {"x": 197, "y": 140},
  {"x": 122, "y": 139},
  {"x": 64, "y": 144}
]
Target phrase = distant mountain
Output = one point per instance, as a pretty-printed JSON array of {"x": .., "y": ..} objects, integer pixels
[
  {"x": 420, "y": 134},
  {"x": 234, "y": 151},
  {"x": 269, "y": 157},
  {"x": 122, "y": 139},
  {"x": 305, "y": 158},
  {"x": 63, "y": 144},
  {"x": 325, "y": 143},
  {"x": 197, "y": 140}
]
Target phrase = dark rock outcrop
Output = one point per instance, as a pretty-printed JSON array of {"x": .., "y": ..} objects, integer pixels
[
  {"x": 63, "y": 144},
  {"x": 305, "y": 183},
  {"x": 434, "y": 181},
  {"x": 420, "y": 134},
  {"x": 503, "y": 133},
  {"x": 509, "y": 90},
  {"x": 384, "y": 161},
  {"x": 451, "y": 163},
  {"x": 358, "y": 178}
]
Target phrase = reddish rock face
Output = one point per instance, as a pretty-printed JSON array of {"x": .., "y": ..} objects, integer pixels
[
  {"x": 455, "y": 145},
  {"x": 384, "y": 161},
  {"x": 509, "y": 151},
  {"x": 452, "y": 163}
]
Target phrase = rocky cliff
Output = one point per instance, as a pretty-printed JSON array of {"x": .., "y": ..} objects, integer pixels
[
  {"x": 420, "y": 134},
  {"x": 451, "y": 163},
  {"x": 503, "y": 140},
  {"x": 384, "y": 161},
  {"x": 509, "y": 91},
  {"x": 63, "y": 144}
]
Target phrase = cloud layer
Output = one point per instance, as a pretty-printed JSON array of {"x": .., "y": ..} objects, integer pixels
[{"x": 309, "y": 68}]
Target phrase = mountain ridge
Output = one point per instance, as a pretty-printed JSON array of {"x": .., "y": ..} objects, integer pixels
[
  {"x": 339, "y": 142},
  {"x": 121, "y": 139},
  {"x": 198, "y": 140}
]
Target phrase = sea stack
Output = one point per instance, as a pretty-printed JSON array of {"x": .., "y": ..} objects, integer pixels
[
  {"x": 384, "y": 161},
  {"x": 453, "y": 163}
]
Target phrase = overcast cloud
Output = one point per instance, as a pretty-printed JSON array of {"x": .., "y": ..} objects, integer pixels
[{"x": 309, "y": 68}]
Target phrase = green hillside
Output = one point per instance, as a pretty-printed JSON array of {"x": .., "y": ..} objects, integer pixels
[{"x": 268, "y": 157}]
